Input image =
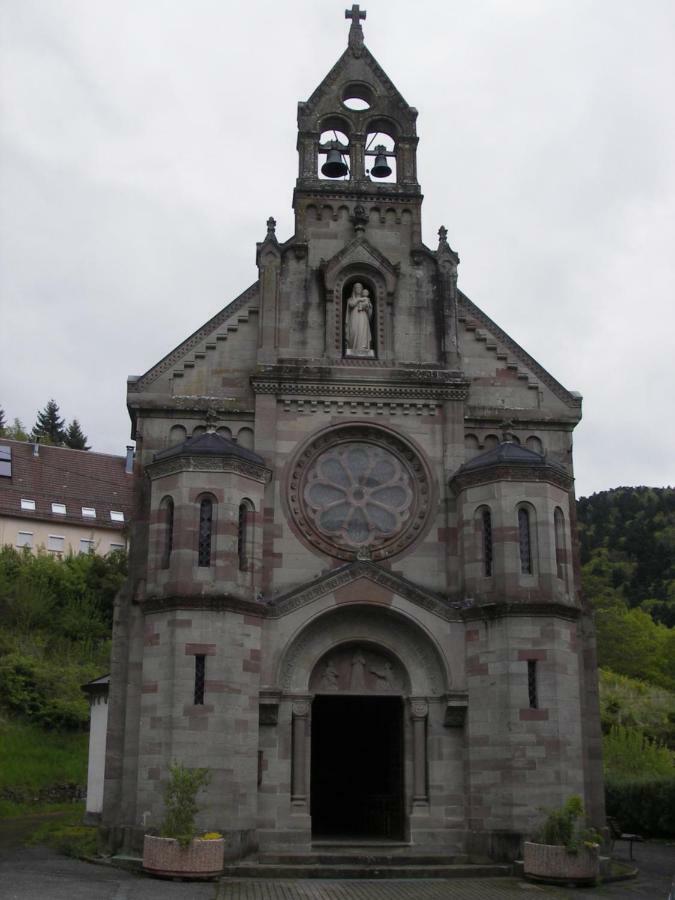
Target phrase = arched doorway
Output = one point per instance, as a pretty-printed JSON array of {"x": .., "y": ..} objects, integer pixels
[{"x": 357, "y": 744}]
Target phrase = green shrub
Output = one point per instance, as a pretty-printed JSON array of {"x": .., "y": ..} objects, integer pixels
[
  {"x": 643, "y": 806},
  {"x": 565, "y": 827},
  {"x": 628, "y": 753},
  {"x": 180, "y": 799}
]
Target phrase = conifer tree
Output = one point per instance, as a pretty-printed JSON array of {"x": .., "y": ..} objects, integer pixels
[
  {"x": 49, "y": 426},
  {"x": 75, "y": 438},
  {"x": 2, "y": 422}
]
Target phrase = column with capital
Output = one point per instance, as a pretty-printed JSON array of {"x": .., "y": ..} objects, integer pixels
[
  {"x": 419, "y": 710},
  {"x": 299, "y": 761}
]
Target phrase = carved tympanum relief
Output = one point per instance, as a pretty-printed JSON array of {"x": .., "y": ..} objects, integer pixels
[{"x": 359, "y": 670}]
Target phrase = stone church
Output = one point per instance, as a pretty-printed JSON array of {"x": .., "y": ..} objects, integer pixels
[{"x": 354, "y": 590}]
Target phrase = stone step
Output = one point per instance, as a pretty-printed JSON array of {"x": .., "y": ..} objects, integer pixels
[
  {"x": 372, "y": 857},
  {"x": 364, "y": 870}
]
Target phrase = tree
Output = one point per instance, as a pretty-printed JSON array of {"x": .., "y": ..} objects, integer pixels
[
  {"x": 16, "y": 431},
  {"x": 75, "y": 438},
  {"x": 2, "y": 422},
  {"x": 49, "y": 426}
]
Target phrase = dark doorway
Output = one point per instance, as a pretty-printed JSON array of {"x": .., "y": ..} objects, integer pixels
[{"x": 357, "y": 767}]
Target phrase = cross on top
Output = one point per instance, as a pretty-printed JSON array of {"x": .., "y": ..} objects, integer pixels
[{"x": 355, "y": 14}]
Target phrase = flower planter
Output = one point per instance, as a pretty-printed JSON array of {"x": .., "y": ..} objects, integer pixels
[
  {"x": 166, "y": 858},
  {"x": 551, "y": 862}
]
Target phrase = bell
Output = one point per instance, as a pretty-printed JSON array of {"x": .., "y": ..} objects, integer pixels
[
  {"x": 335, "y": 166},
  {"x": 381, "y": 168}
]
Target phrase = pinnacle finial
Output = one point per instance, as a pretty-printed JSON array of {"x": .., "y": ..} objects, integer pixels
[
  {"x": 355, "y": 31},
  {"x": 271, "y": 227},
  {"x": 442, "y": 235}
]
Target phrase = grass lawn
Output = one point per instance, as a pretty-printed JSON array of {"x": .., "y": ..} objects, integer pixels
[{"x": 32, "y": 759}]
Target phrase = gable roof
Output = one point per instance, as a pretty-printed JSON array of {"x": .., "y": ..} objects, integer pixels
[{"x": 75, "y": 478}]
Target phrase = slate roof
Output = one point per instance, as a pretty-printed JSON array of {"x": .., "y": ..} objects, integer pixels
[
  {"x": 210, "y": 444},
  {"x": 508, "y": 453},
  {"x": 75, "y": 478}
]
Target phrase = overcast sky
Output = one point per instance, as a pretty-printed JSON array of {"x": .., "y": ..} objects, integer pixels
[{"x": 145, "y": 142}]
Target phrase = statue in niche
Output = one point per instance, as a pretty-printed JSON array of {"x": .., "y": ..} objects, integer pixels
[
  {"x": 358, "y": 314},
  {"x": 329, "y": 678}
]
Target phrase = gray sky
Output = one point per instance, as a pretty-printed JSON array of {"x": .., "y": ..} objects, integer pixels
[{"x": 145, "y": 142}]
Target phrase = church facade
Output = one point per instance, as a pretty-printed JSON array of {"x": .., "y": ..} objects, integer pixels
[{"x": 354, "y": 591}]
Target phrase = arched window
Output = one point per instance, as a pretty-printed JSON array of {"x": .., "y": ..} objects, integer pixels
[
  {"x": 559, "y": 527},
  {"x": 205, "y": 532},
  {"x": 525, "y": 541},
  {"x": 166, "y": 507},
  {"x": 486, "y": 541},
  {"x": 244, "y": 534},
  {"x": 334, "y": 150}
]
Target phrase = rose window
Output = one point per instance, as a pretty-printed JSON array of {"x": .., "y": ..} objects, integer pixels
[{"x": 357, "y": 496}]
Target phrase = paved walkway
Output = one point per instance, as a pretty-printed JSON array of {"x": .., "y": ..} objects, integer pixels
[{"x": 36, "y": 873}]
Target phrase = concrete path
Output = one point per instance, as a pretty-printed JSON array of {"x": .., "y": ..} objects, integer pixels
[{"x": 36, "y": 873}]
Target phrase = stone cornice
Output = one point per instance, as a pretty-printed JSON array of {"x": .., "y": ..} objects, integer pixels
[
  {"x": 305, "y": 594},
  {"x": 492, "y": 611},
  {"x": 214, "y": 603},
  {"x": 211, "y": 464},
  {"x": 511, "y": 472},
  {"x": 386, "y": 384}
]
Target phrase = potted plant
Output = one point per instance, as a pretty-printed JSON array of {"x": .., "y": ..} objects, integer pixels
[
  {"x": 178, "y": 851},
  {"x": 564, "y": 850}
]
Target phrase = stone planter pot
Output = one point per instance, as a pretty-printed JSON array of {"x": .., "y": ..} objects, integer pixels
[
  {"x": 167, "y": 859},
  {"x": 551, "y": 862}
]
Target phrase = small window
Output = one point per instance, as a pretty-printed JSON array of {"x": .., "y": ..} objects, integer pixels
[
  {"x": 56, "y": 543},
  {"x": 486, "y": 523},
  {"x": 200, "y": 677},
  {"x": 88, "y": 512},
  {"x": 524, "y": 542},
  {"x": 167, "y": 511},
  {"x": 59, "y": 509},
  {"x": 116, "y": 516},
  {"x": 6, "y": 462},
  {"x": 205, "y": 532},
  {"x": 532, "y": 683},
  {"x": 28, "y": 505},
  {"x": 117, "y": 547},
  {"x": 559, "y": 529},
  {"x": 87, "y": 546},
  {"x": 244, "y": 534},
  {"x": 24, "y": 539}
]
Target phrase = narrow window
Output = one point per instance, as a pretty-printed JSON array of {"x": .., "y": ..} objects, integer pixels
[
  {"x": 200, "y": 672},
  {"x": 487, "y": 542},
  {"x": 167, "y": 503},
  {"x": 242, "y": 535},
  {"x": 524, "y": 542},
  {"x": 532, "y": 683},
  {"x": 559, "y": 527},
  {"x": 205, "y": 532}
]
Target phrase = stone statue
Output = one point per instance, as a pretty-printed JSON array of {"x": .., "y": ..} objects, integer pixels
[
  {"x": 357, "y": 320},
  {"x": 329, "y": 679}
]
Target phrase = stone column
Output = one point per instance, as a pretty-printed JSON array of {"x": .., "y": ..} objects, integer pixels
[
  {"x": 299, "y": 763},
  {"x": 419, "y": 710}
]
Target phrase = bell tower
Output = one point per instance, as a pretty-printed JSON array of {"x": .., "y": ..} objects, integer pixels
[{"x": 357, "y": 145}]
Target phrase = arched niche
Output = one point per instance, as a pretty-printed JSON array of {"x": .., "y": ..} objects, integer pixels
[
  {"x": 386, "y": 635},
  {"x": 380, "y": 281},
  {"x": 359, "y": 317}
]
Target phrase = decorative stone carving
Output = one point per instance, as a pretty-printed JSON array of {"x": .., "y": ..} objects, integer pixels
[
  {"x": 359, "y": 487},
  {"x": 419, "y": 709},
  {"x": 358, "y": 314},
  {"x": 268, "y": 713},
  {"x": 358, "y": 669}
]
